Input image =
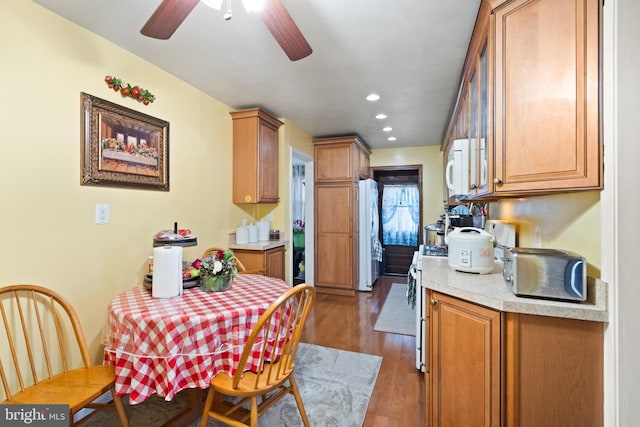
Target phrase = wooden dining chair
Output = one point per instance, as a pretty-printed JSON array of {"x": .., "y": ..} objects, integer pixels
[
  {"x": 281, "y": 323},
  {"x": 44, "y": 358},
  {"x": 241, "y": 268}
]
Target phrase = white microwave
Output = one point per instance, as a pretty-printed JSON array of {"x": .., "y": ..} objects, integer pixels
[{"x": 457, "y": 171}]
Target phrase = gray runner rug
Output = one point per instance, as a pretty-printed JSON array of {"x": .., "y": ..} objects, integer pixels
[
  {"x": 396, "y": 315},
  {"x": 335, "y": 385}
]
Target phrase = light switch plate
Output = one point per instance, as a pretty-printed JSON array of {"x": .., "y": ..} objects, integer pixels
[{"x": 102, "y": 214}]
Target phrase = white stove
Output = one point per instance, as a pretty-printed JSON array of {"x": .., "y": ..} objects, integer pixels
[{"x": 421, "y": 299}]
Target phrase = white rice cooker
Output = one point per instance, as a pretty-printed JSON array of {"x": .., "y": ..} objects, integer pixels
[{"x": 471, "y": 250}]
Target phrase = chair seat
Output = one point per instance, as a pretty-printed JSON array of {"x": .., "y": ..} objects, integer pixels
[{"x": 76, "y": 388}]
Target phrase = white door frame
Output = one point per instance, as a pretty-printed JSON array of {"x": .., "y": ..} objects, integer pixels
[{"x": 308, "y": 216}]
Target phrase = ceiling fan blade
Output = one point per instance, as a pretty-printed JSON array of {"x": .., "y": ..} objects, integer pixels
[
  {"x": 284, "y": 30},
  {"x": 167, "y": 18}
]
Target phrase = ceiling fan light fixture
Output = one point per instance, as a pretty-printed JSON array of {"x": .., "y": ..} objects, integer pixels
[
  {"x": 215, "y": 4},
  {"x": 253, "y": 5}
]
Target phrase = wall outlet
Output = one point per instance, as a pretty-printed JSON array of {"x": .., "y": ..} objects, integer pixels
[
  {"x": 102, "y": 214},
  {"x": 538, "y": 238}
]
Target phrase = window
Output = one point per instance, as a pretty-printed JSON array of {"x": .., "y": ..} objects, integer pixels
[{"x": 400, "y": 215}]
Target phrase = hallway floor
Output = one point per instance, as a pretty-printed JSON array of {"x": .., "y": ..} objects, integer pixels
[{"x": 346, "y": 323}]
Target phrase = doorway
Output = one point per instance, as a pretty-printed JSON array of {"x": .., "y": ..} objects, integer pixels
[
  {"x": 400, "y": 213},
  {"x": 301, "y": 228}
]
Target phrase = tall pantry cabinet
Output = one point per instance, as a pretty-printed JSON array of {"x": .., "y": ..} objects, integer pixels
[{"x": 339, "y": 163}]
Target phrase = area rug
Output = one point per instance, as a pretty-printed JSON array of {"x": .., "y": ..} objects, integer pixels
[
  {"x": 396, "y": 315},
  {"x": 335, "y": 385}
]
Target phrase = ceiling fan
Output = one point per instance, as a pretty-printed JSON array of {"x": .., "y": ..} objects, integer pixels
[{"x": 169, "y": 15}]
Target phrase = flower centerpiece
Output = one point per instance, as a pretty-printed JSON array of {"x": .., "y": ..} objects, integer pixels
[
  {"x": 217, "y": 271},
  {"x": 298, "y": 233}
]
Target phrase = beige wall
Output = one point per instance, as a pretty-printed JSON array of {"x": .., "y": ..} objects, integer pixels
[
  {"x": 569, "y": 221},
  {"x": 291, "y": 137},
  {"x": 49, "y": 236},
  {"x": 430, "y": 157}
]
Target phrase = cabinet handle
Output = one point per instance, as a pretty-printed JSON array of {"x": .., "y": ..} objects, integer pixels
[
  {"x": 497, "y": 181},
  {"x": 433, "y": 302},
  {"x": 473, "y": 186}
]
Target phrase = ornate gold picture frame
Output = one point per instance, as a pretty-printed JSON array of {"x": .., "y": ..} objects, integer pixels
[{"x": 123, "y": 147}]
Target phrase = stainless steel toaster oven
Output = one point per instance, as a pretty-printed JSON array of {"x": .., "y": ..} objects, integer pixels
[{"x": 546, "y": 273}]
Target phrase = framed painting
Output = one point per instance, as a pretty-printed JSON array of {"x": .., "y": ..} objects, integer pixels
[{"x": 123, "y": 147}]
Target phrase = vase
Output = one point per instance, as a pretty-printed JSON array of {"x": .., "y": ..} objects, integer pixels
[{"x": 215, "y": 283}]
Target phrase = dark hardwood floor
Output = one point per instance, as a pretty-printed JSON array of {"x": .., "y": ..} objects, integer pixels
[{"x": 346, "y": 323}]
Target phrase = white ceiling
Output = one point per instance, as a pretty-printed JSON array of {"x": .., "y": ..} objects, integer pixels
[{"x": 410, "y": 52}]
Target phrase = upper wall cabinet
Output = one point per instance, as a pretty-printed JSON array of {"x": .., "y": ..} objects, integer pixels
[
  {"x": 547, "y": 96},
  {"x": 472, "y": 114},
  {"x": 529, "y": 98},
  {"x": 341, "y": 159},
  {"x": 255, "y": 156}
]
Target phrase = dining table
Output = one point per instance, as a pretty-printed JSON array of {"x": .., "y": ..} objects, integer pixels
[{"x": 165, "y": 345}]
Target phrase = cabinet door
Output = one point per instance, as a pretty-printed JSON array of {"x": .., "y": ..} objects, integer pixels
[
  {"x": 474, "y": 131},
  {"x": 465, "y": 370},
  {"x": 363, "y": 164},
  {"x": 335, "y": 249},
  {"x": 274, "y": 261},
  {"x": 547, "y": 96},
  {"x": 268, "y": 164},
  {"x": 553, "y": 371},
  {"x": 334, "y": 163},
  {"x": 483, "y": 153}
]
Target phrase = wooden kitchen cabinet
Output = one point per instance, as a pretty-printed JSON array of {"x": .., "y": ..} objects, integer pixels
[
  {"x": 490, "y": 368},
  {"x": 530, "y": 98},
  {"x": 363, "y": 162},
  {"x": 339, "y": 163},
  {"x": 471, "y": 117},
  {"x": 547, "y": 96},
  {"x": 464, "y": 378},
  {"x": 341, "y": 159},
  {"x": 269, "y": 260},
  {"x": 255, "y": 156}
]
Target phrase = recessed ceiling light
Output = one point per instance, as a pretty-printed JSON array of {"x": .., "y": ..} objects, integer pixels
[
  {"x": 392, "y": 138},
  {"x": 381, "y": 116},
  {"x": 387, "y": 129},
  {"x": 373, "y": 97}
]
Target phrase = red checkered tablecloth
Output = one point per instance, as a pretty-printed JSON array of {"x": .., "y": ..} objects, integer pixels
[{"x": 165, "y": 345}]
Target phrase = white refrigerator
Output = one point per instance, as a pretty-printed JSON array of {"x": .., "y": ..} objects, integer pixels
[{"x": 370, "y": 249}]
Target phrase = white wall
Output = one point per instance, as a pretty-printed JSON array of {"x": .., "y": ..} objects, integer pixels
[{"x": 621, "y": 225}]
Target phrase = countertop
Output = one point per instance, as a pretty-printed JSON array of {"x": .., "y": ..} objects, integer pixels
[
  {"x": 258, "y": 246},
  {"x": 490, "y": 290}
]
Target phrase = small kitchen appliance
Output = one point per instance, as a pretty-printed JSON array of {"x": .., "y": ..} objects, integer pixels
[
  {"x": 546, "y": 273},
  {"x": 471, "y": 250},
  {"x": 433, "y": 234},
  {"x": 505, "y": 234}
]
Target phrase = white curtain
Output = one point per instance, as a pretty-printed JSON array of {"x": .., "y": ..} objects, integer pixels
[
  {"x": 400, "y": 215},
  {"x": 297, "y": 198}
]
